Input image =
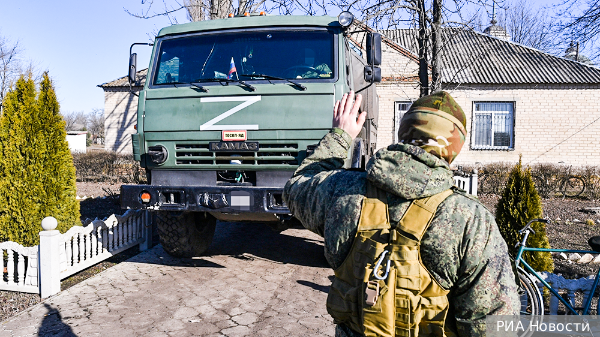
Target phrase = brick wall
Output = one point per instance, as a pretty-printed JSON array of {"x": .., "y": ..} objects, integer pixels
[
  {"x": 120, "y": 117},
  {"x": 551, "y": 122}
]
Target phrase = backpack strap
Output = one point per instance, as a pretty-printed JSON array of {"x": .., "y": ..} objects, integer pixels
[
  {"x": 374, "y": 213},
  {"x": 417, "y": 218}
]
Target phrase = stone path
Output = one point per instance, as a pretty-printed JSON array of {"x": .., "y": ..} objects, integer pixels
[{"x": 254, "y": 282}]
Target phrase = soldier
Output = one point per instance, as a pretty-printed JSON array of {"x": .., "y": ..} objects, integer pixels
[{"x": 413, "y": 255}]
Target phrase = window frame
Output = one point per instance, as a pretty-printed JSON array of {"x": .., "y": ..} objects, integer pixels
[
  {"x": 494, "y": 126},
  {"x": 397, "y": 117}
]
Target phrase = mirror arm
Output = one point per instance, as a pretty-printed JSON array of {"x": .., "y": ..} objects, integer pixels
[{"x": 130, "y": 53}]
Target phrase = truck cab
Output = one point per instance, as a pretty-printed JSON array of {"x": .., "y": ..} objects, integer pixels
[{"x": 229, "y": 110}]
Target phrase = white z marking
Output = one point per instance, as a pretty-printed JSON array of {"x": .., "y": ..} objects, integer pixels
[{"x": 210, "y": 125}]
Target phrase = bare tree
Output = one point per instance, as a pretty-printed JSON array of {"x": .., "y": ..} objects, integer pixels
[
  {"x": 579, "y": 21},
  {"x": 525, "y": 24},
  {"x": 95, "y": 125},
  {"x": 9, "y": 65},
  {"x": 197, "y": 10},
  {"x": 74, "y": 120}
]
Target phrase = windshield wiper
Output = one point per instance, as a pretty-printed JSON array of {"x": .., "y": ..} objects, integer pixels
[
  {"x": 269, "y": 77},
  {"x": 193, "y": 84},
  {"x": 197, "y": 85},
  {"x": 226, "y": 80}
]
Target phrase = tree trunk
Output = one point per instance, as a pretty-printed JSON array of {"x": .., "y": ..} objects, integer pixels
[
  {"x": 436, "y": 40},
  {"x": 242, "y": 7},
  {"x": 423, "y": 42}
]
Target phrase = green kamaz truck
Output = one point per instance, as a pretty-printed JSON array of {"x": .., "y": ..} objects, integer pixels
[{"x": 229, "y": 110}]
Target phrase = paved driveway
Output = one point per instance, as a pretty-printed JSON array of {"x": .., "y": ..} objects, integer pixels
[{"x": 254, "y": 282}]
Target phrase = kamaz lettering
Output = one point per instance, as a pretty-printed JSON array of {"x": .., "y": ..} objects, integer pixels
[{"x": 233, "y": 146}]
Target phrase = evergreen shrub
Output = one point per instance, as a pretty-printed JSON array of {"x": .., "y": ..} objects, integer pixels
[
  {"x": 37, "y": 176},
  {"x": 520, "y": 203}
]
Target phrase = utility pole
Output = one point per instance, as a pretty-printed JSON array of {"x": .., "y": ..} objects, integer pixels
[
  {"x": 436, "y": 37},
  {"x": 423, "y": 42}
]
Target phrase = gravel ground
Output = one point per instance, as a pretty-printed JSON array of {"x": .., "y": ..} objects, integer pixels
[{"x": 566, "y": 230}]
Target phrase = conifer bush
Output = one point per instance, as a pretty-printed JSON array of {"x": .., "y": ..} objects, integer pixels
[
  {"x": 520, "y": 203},
  {"x": 37, "y": 176}
]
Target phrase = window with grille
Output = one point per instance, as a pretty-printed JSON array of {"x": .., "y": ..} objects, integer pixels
[
  {"x": 400, "y": 108},
  {"x": 493, "y": 126}
]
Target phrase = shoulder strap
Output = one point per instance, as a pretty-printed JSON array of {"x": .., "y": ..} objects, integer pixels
[
  {"x": 374, "y": 213},
  {"x": 417, "y": 218}
]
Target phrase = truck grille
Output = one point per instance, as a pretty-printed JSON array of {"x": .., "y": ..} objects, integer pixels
[{"x": 268, "y": 154}]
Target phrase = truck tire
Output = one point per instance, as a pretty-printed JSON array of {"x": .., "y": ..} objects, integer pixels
[{"x": 185, "y": 234}]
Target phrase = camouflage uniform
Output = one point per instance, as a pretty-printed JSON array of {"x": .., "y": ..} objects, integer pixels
[{"x": 462, "y": 249}]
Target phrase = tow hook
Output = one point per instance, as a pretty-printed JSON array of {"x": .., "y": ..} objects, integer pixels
[{"x": 214, "y": 201}]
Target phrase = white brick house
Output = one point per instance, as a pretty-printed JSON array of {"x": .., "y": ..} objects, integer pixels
[
  {"x": 120, "y": 112},
  {"x": 518, "y": 100}
]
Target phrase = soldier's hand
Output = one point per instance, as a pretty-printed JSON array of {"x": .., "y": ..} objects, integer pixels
[{"x": 345, "y": 114}]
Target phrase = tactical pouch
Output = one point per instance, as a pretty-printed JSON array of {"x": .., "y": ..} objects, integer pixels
[{"x": 378, "y": 319}]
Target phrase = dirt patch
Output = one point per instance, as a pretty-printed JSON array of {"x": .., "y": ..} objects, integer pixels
[{"x": 567, "y": 229}]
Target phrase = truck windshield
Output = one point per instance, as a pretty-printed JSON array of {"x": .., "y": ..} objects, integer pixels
[{"x": 289, "y": 54}]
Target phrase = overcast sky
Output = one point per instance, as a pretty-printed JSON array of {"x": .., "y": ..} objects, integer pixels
[{"x": 82, "y": 43}]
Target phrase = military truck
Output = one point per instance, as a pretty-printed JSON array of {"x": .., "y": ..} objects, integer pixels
[{"x": 229, "y": 110}]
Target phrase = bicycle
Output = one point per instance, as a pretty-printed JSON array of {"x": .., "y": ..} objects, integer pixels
[
  {"x": 569, "y": 185},
  {"x": 532, "y": 301}
]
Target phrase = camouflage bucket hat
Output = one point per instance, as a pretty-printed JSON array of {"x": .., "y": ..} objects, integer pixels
[{"x": 436, "y": 123}]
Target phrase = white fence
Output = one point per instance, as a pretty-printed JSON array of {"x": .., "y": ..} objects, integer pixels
[
  {"x": 39, "y": 269},
  {"x": 20, "y": 268},
  {"x": 467, "y": 182}
]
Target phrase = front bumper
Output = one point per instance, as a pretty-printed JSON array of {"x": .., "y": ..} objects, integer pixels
[{"x": 222, "y": 199}]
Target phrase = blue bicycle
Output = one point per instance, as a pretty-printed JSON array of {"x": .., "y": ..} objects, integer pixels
[{"x": 532, "y": 301}]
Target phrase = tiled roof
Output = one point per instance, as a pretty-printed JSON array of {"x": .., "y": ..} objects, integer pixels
[
  {"x": 472, "y": 57},
  {"x": 124, "y": 82}
]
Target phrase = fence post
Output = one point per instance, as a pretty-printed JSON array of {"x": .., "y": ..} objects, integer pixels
[
  {"x": 49, "y": 258},
  {"x": 146, "y": 225},
  {"x": 473, "y": 183}
]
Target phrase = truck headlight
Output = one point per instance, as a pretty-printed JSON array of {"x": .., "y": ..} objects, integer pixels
[
  {"x": 158, "y": 154},
  {"x": 345, "y": 19}
]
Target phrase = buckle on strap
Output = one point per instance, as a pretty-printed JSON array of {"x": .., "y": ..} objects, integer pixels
[
  {"x": 372, "y": 293},
  {"x": 378, "y": 266}
]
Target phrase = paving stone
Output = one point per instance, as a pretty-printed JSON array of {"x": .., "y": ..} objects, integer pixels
[
  {"x": 245, "y": 319},
  {"x": 236, "y": 331}
]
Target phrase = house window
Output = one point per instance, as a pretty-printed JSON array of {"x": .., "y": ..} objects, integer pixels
[
  {"x": 493, "y": 126},
  {"x": 400, "y": 108}
]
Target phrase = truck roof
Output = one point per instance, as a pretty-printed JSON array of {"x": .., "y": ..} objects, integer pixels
[{"x": 251, "y": 21}]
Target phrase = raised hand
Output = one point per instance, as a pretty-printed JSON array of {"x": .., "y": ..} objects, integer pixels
[{"x": 346, "y": 116}]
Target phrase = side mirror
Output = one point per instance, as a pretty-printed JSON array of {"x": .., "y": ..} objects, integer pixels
[
  {"x": 132, "y": 67},
  {"x": 374, "y": 49},
  {"x": 372, "y": 74}
]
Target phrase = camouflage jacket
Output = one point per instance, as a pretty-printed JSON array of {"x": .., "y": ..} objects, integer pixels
[{"x": 462, "y": 249}]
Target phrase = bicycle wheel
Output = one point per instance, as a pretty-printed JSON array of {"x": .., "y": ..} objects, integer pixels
[
  {"x": 572, "y": 186},
  {"x": 532, "y": 302}
]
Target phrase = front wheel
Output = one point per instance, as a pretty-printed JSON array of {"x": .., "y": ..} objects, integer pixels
[{"x": 185, "y": 234}]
